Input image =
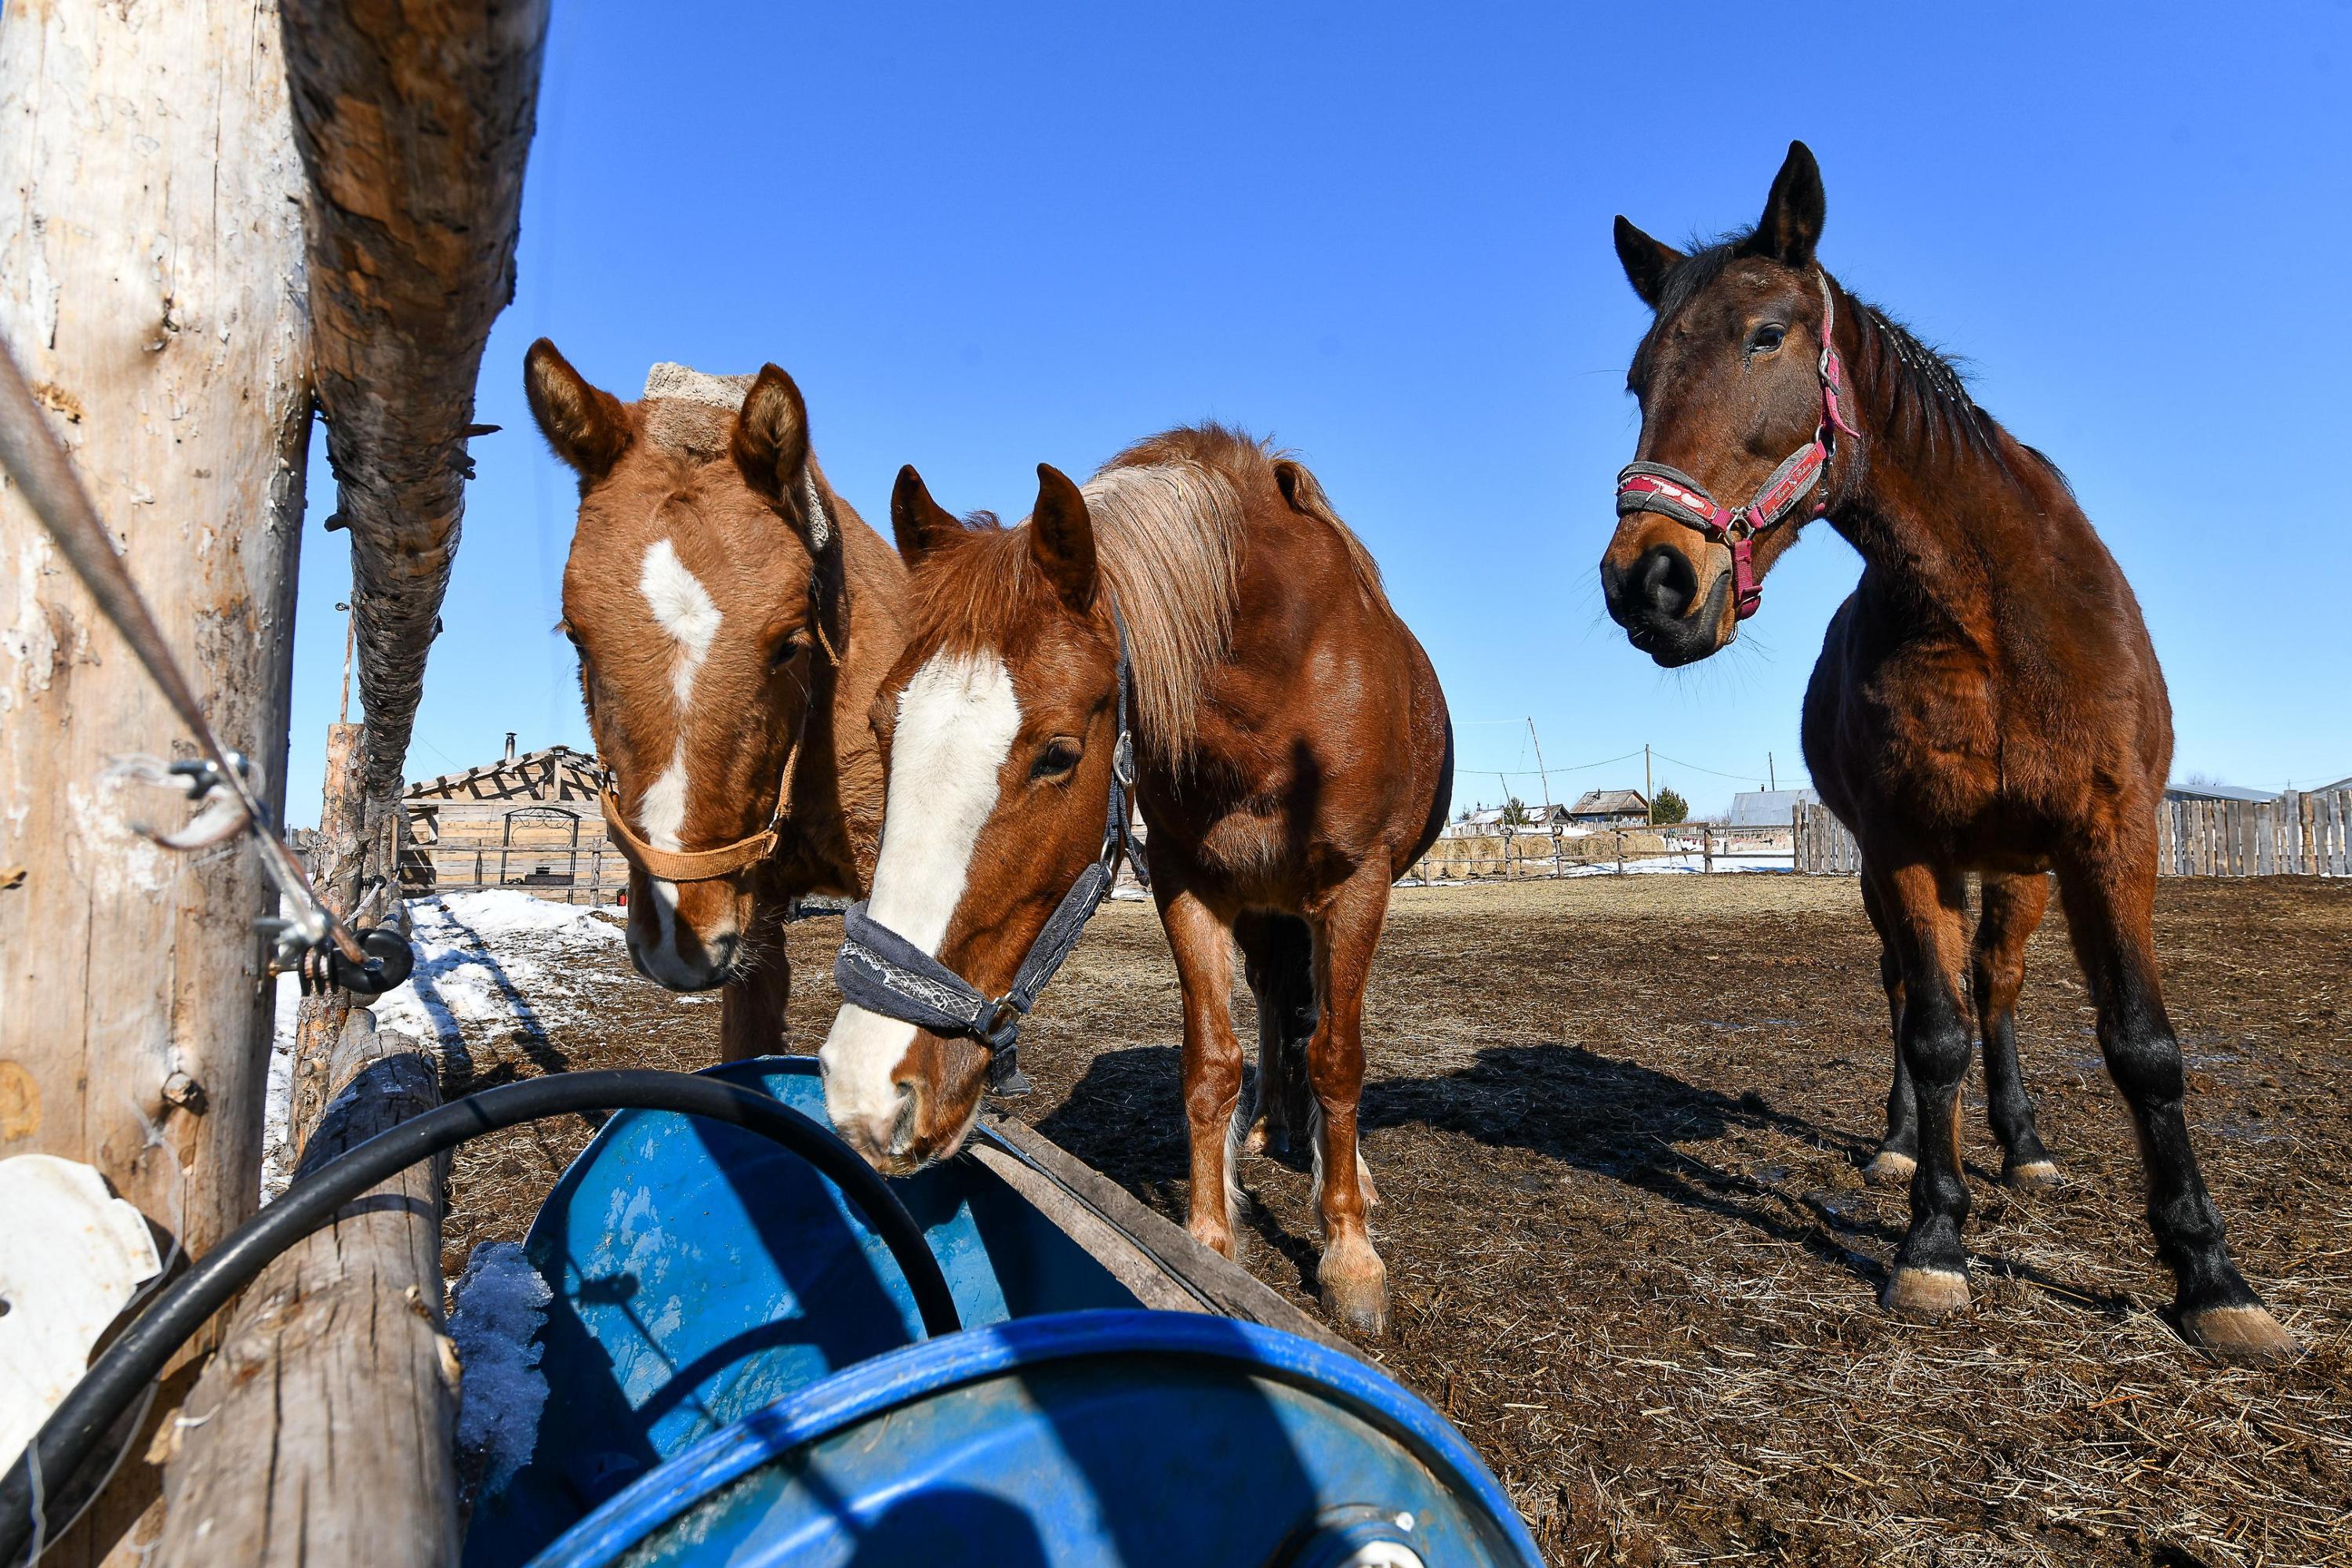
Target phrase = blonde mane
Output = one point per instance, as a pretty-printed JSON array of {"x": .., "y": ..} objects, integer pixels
[{"x": 1168, "y": 539}]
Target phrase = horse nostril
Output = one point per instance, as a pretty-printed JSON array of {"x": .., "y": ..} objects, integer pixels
[{"x": 1662, "y": 582}]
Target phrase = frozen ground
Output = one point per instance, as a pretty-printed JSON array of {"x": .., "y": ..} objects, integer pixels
[{"x": 490, "y": 962}]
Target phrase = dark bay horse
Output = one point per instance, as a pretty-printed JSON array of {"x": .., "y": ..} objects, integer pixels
[
  {"x": 734, "y": 618},
  {"x": 1294, "y": 757},
  {"x": 1988, "y": 700}
]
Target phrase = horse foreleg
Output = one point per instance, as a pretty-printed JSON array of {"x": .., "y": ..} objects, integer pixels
[
  {"x": 2110, "y": 894},
  {"x": 1924, "y": 906},
  {"x": 1204, "y": 950},
  {"x": 1353, "y": 1280},
  {"x": 2013, "y": 908},
  {"x": 752, "y": 1006}
]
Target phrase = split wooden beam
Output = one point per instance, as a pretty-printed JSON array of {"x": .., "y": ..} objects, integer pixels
[
  {"x": 413, "y": 121},
  {"x": 322, "y": 1431}
]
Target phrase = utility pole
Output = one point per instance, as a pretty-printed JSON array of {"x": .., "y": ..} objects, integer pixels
[
  {"x": 1541, "y": 773},
  {"x": 1772, "y": 779},
  {"x": 1649, "y": 797}
]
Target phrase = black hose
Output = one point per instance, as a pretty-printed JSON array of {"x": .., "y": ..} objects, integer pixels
[{"x": 66, "y": 1440}]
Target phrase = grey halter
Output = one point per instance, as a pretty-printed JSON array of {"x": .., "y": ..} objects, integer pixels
[{"x": 882, "y": 973}]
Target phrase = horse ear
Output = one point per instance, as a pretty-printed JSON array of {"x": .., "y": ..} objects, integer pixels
[
  {"x": 1792, "y": 223},
  {"x": 586, "y": 424},
  {"x": 1061, "y": 537},
  {"x": 919, "y": 523},
  {"x": 771, "y": 450},
  {"x": 1302, "y": 490},
  {"x": 1646, "y": 261}
]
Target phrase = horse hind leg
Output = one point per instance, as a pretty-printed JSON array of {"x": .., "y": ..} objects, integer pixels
[
  {"x": 2013, "y": 908},
  {"x": 2110, "y": 893},
  {"x": 1898, "y": 1151},
  {"x": 1278, "y": 952}
]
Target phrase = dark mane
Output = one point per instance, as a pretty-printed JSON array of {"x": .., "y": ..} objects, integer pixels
[{"x": 1915, "y": 393}]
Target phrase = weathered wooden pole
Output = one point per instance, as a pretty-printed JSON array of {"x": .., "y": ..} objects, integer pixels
[
  {"x": 151, "y": 287},
  {"x": 414, "y": 121},
  {"x": 319, "y": 1436},
  {"x": 343, "y": 850}
]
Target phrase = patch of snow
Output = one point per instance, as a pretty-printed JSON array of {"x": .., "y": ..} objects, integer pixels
[
  {"x": 500, "y": 1306},
  {"x": 496, "y": 959}
]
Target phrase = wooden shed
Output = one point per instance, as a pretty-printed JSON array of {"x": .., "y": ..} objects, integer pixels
[{"x": 527, "y": 822}]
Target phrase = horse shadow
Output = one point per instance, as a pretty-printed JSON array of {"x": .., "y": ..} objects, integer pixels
[
  {"x": 459, "y": 1071},
  {"x": 1634, "y": 1125}
]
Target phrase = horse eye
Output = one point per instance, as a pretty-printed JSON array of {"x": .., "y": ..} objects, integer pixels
[
  {"x": 1767, "y": 338},
  {"x": 1059, "y": 757},
  {"x": 784, "y": 650}
]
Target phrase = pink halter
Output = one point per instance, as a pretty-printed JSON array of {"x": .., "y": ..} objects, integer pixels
[{"x": 1671, "y": 493}]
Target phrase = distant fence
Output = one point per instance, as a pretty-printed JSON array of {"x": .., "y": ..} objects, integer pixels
[
  {"x": 2300, "y": 833},
  {"x": 1515, "y": 857}
]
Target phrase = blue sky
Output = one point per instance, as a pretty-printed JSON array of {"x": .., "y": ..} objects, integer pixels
[{"x": 984, "y": 237}]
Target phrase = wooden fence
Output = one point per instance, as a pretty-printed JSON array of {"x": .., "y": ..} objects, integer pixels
[
  {"x": 2300, "y": 833},
  {"x": 1537, "y": 853}
]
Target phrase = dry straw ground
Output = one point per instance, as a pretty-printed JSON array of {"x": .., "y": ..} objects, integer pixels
[{"x": 1616, "y": 1125}]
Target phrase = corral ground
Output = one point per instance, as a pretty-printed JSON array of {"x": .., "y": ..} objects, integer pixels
[{"x": 1616, "y": 1126}]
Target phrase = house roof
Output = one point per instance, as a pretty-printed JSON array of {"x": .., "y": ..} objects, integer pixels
[
  {"x": 559, "y": 773},
  {"x": 1769, "y": 807},
  {"x": 1609, "y": 803},
  {"x": 2217, "y": 791}
]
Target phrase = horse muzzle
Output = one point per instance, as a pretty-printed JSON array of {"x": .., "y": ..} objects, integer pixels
[{"x": 1657, "y": 600}]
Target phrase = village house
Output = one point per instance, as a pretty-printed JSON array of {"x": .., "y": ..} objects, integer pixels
[
  {"x": 1611, "y": 808},
  {"x": 527, "y": 822}
]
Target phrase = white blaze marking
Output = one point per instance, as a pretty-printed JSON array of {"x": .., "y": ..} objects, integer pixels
[
  {"x": 682, "y": 604},
  {"x": 682, "y": 607},
  {"x": 957, "y": 719}
]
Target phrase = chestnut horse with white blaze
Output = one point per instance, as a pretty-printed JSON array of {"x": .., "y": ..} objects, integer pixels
[
  {"x": 1986, "y": 700},
  {"x": 1292, "y": 757},
  {"x": 734, "y": 618}
]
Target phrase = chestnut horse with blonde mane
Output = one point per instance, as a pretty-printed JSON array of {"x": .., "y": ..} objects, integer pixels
[
  {"x": 1986, "y": 700},
  {"x": 1292, "y": 757},
  {"x": 734, "y": 618}
]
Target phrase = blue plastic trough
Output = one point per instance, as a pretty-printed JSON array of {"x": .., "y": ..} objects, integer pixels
[{"x": 737, "y": 1375}]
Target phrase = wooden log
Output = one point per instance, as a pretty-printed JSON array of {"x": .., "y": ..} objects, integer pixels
[
  {"x": 321, "y": 1433},
  {"x": 342, "y": 849},
  {"x": 1144, "y": 1250},
  {"x": 151, "y": 273},
  {"x": 414, "y": 121}
]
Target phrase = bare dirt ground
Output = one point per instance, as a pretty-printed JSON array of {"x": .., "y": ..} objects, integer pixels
[{"x": 1617, "y": 1126}]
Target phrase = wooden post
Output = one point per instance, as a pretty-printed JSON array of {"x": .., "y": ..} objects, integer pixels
[
  {"x": 151, "y": 276},
  {"x": 1706, "y": 847},
  {"x": 343, "y": 851},
  {"x": 321, "y": 1434},
  {"x": 414, "y": 121}
]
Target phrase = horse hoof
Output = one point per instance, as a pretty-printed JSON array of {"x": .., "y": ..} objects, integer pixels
[
  {"x": 1355, "y": 1289},
  {"x": 1926, "y": 1293},
  {"x": 1223, "y": 1241},
  {"x": 2243, "y": 1336},
  {"x": 1254, "y": 1141},
  {"x": 1889, "y": 1169},
  {"x": 2033, "y": 1176}
]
